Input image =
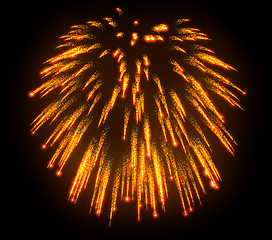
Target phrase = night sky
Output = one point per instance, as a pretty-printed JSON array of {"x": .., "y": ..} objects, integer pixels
[{"x": 36, "y": 199}]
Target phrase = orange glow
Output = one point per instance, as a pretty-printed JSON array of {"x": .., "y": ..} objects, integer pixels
[
  {"x": 136, "y": 23},
  {"x": 160, "y": 28},
  {"x": 134, "y": 37},
  {"x": 214, "y": 185},
  {"x": 50, "y": 166},
  {"x": 146, "y": 60},
  {"x": 116, "y": 52},
  {"x": 31, "y": 94},
  {"x": 119, "y": 34},
  {"x": 149, "y": 38},
  {"x": 152, "y": 38},
  {"x": 119, "y": 10},
  {"x": 155, "y": 214}
]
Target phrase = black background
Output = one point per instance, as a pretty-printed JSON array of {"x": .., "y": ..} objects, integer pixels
[{"x": 35, "y": 199}]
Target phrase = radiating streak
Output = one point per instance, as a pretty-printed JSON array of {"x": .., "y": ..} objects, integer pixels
[
  {"x": 108, "y": 106},
  {"x": 158, "y": 176},
  {"x": 199, "y": 130},
  {"x": 95, "y": 87},
  {"x": 147, "y": 136},
  {"x": 54, "y": 108},
  {"x": 91, "y": 79},
  {"x": 126, "y": 120},
  {"x": 74, "y": 52},
  {"x": 73, "y": 142},
  {"x": 68, "y": 144},
  {"x": 161, "y": 121},
  {"x": 202, "y": 97},
  {"x": 177, "y": 104},
  {"x": 66, "y": 124},
  {"x": 213, "y": 60},
  {"x": 125, "y": 84},
  {"x": 133, "y": 150},
  {"x": 95, "y": 24},
  {"x": 178, "y": 69},
  {"x": 158, "y": 82},
  {"x": 104, "y": 53},
  {"x": 170, "y": 129},
  {"x": 83, "y": 173},
  {"x": 95, "y": 101},
  {"x": 120, "y": 12},
  {"x": 180, "y": 124},
  {"x": 115, "y": 188},
  {"x": 111, "y": 21},
  {"x": 178, "y": 48},
  {"x": 182, "y": 20}
]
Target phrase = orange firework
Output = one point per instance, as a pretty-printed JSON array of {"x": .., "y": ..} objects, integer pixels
[{"x": 89, "y": 100}]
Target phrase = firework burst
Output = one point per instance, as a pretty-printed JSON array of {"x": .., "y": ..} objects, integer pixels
[{"x": 148, "y": 91}]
